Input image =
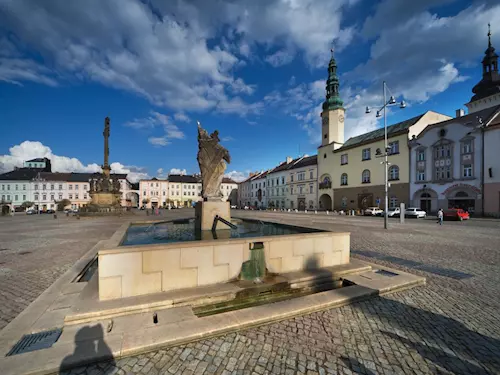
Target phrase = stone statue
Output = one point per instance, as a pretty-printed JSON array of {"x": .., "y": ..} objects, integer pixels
[
  {"x": 211, "y": 156},
  {"x": 116, "y": 186}
]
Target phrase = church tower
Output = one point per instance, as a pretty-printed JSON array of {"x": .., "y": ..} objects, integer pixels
[
  {"x": 487, "y": 91},
  {"x": 332, "y": 116}
]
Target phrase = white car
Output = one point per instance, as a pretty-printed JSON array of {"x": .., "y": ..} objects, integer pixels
[
  {"x": 233, "y": 206},
  {"x": 415, "y": 212},
  {"x": 394, "y": 212},
  {"x": 373, "y": 211}
]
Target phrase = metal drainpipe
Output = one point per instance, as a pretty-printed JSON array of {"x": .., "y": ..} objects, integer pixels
[{"x": 482, "y": 171}]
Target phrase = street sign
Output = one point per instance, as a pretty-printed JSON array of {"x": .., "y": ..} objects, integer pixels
[{"x": 378, "y": 201}]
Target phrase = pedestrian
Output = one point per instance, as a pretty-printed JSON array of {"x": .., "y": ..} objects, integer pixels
[{"x": 440, "y": 216}]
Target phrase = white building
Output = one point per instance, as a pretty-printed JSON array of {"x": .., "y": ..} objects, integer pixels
[
  {"x": 180, "y": 191},
  {"x": 276, "y": 185},
  {"x": 302, "y": 189}
]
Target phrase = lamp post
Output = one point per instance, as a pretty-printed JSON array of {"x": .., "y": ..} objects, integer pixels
[
  {"x": 38, "y": 179},
  {"x": 402, "y": 104}
]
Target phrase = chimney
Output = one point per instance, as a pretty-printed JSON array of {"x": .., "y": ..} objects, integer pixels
[
  {"x": 288, "y": 159},
  {"x": 459, "y": 113}
]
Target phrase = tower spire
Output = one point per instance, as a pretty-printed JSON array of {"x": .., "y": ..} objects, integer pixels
[
  {"x": 489, "y": 35},
  {"x": 333, "y": 100}
]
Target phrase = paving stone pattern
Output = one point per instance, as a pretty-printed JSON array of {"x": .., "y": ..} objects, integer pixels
[
  {"x": 450, "y": 326},
  {"x": 36, "y": 250}
]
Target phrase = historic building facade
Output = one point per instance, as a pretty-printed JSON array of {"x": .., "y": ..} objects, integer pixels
[
  {"x": 302, "y": 189},
  {"x": 350, "y": 175},
  {"x": 455, "y": 163}
]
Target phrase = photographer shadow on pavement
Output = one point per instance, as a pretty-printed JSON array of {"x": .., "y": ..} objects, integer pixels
[{"x": 89, "y": 347}]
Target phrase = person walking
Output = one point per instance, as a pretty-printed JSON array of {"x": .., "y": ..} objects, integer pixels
[{"x": 440, "y": 216}]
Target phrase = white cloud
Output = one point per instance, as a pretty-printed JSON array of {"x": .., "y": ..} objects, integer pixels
[
  {"x": 181, "y": 116},
  {"x": 158, "y": 141},
  {"x": 281, "y": 57},
  {"x": 236, "y": 175},
  {"x": 178, "y": 171},
  {"x": 155, "y": 119},
  {"x": 27, "y": 150},
  {"x": 227, "y": 139}
]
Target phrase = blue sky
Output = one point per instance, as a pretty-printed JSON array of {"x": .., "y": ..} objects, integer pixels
[{"x": 254, "y": 70}]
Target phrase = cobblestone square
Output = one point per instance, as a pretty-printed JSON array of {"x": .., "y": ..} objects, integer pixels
[{"x": 449, "y": 326}]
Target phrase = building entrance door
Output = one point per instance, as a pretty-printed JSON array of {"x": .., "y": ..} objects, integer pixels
[
  {"x": 365, "y": 201},
  {"x": 301, "y": 203}
]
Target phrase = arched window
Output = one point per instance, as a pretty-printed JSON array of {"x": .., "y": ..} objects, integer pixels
[
  {"x": 365, "y": 177},
  {"x": 425, "y": 195},
  {"x": 394, "y": 172},
  {"x": 343, "y": 179}
]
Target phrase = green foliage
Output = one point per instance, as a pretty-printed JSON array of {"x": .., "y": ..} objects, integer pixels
[
  {"x": 62, "y": 204},
  {"x": 27, "y": 204}
]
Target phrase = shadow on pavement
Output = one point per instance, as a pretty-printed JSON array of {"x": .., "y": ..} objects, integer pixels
[
  {"x": 443, "y": 341},
  {"x": 90, "y": 344},
  {"x": 356, "y": 366}
]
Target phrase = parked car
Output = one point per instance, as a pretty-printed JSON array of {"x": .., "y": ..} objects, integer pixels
[
  {"x": 30, "y": 212},
  {"x": 372, "y": 211},
  {"x": 51, "y": 211},
  {"x": 233, "y": 206},
  {"x": 394, "y": 212},
  {"x": 455, "y": 214},
  {"x": 413, "y": 212}
]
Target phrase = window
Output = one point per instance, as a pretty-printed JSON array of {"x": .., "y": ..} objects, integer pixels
[
  {"x": 76, "y": 187},
  {"x": 44, "y": 197},
  {"x": 277, "y": 181},
  {"x": 151, "y": 184},
  {"x": 44, "y": 186},
  {"x": 24, "y": 198},
  {"x": 421, "y": 155},
  {"x": 36, "y": 197},
  {"x": 467, "y": 170},
  {"x": 443, "y": 173},
  {"x": 144, "y": 193},
  {"x": 282, "y": 191},
  {"x": 84, "y": 196},
  {"x": 36, "y": 186},
  {"x": 157, "y": 184},
  {"x": 291, "y": 190},
  {"x": 282, "y": 180},
  {"x": 311, "y": 174},
  {"x": 366, "y": 154},
  {"x": 8, "y": 198},
  {"x": 301, "y": 189},
  {"x": 394, "y": 147},
  {"x": 3, "y": 187},
  {"x": 70, "y": 196},
  {"x": 344, "y": 202},
  {"x": 60, "y": 196},
  {"x": 343, "y": 179},
  {"x": 15, "y": 197},
  {"x": 60, "y": 186},
  {"x": 76, "y": 196},
  {"x": 394, "y": 172},
  {"x": 467, "y": 146},
  {"x": 51, "y": 186},
  {"x": 393, "y": 202},
  {"x": 291, "y": 178},
  {"x": 85, "y": 187},
  {"x": 420, "y": 176},
  {"x": 365, "y": 176},
  {"x": 164, "y": 192},
  {"x": 301, "y": 176},
  {"x": 324, "y": 157},
  {"x": 17, "y": 188},
  {"x": 52, "y": 197},
  {"x": 310, "y": 189},
  {"x": 70, "y": 187},
  {"x": 343, "y": 159},
  {"x": 24, "y": 186}
]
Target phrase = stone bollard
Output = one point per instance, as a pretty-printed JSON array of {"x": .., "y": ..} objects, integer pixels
[
  {"x": 315, "y": 211},
  {"x": 305, "y": 211}
]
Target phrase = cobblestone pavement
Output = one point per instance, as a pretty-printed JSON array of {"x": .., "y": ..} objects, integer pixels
[
  {"x": 36, "y": 250},
  {"x": 450, "y": 326}
]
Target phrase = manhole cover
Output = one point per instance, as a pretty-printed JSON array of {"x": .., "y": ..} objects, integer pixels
[{"x": 35, "y": 341}]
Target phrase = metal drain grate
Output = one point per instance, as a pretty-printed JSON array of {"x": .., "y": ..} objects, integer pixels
[{"x": 35, "y": 341}]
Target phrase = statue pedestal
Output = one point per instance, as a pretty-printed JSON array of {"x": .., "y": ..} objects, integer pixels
[
  {"x": 206, "y": 211},
  {"x": 106, "y": 199}
]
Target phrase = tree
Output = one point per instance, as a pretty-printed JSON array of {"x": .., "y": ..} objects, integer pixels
[
  {"x": 62, "y": 204},
  {"x": 145, "y": 201},
  {"x": 27, "y": 204}
]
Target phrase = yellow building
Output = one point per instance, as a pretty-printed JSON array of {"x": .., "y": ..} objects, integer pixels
[{"x": 350, "y": 176}]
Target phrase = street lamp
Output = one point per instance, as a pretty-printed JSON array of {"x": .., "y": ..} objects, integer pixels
[{"x": 387, "y": 103}]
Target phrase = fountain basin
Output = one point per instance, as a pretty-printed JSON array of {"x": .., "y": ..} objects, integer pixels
[{"x": 133, "y": 267}]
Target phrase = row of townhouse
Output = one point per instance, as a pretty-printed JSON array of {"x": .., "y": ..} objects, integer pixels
[
  {"x": 290, "y": 185},
  {"x": 435, "y": 161},
  {"x": 180, "y": 191},
  {"x": 44, "y": 189}
]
